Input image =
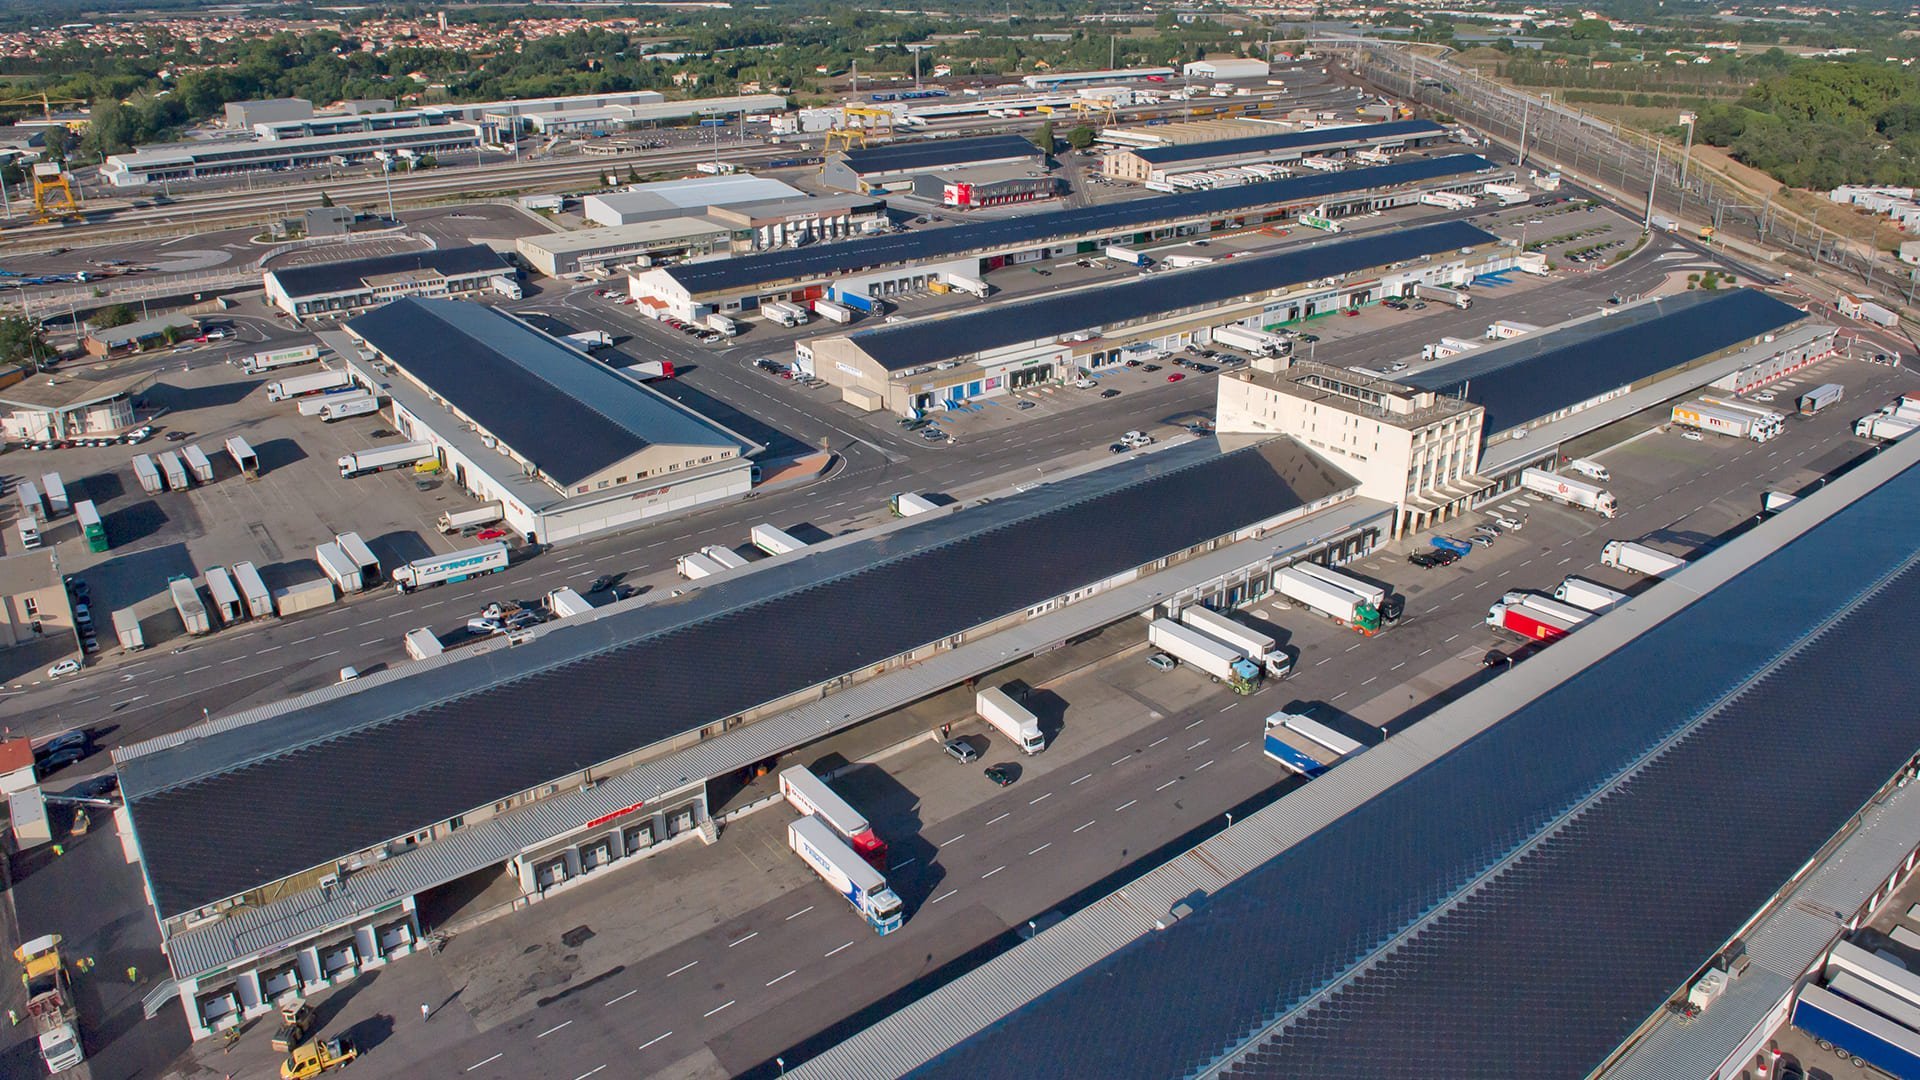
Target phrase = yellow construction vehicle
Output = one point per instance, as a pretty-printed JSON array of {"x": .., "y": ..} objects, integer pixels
[
  {"x": 50, "y": 1002},
  {"x": 319, "y": 1056},
  {"x": 295, "y": 1020}
]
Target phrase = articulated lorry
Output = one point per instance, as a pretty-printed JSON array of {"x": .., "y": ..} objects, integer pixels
[
  {"x": 810, "y": 795},
  {"x": 279, "y": 358},
  {"x": 506, "y": 286},
  {"x": 651, "y": 370},
  {"x": 591, "y": 340},
  {"x": 846, "y": 873},
  {"x": 459, "y": 566},
  {"x": 317, "y": 404},
  {"x": 773, "y": 540},
  {"x": 1283, "y": 729},
  {"x": 1010, "y": 718},
  {"x": 1216, "y": 658},
  {"x": 1589, "y": 596},
  {"x": 1639, "y": 559},
  {"x": 1529, "y": 621},
  {"x": 348, "y": 405},
  {"x": 972, "y": 286},
  {"x": 1256, "y": 646},
  {"x": 1256, "y": 342},
  {"x": 474, "y": 517},
  {"x": 1444, "y": 295},
  {"x": 786, "y": 313},
  {"x": 1883, "y": 427},
  {"x": 50, "y": 1004},
  {"x": 1387, "y": 604},
  {"x": 1335, "y": 602},
  {"x": 186, "y": 601},
  {"x": 382, "y": 458},
  {"x": 1565, "y": 489},
  {"x": 319, "y": 382}
]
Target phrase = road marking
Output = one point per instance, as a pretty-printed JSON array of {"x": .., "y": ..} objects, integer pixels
[
  {"x": 1350, "y": 648},
  {"x": 330, "y": 633},
  {"x": 799, "y": 913},
  {"x": 364, "y": 644},
  {"x": 369, "y": 622},
  {"x": 1124, "y": 805},
  {"x": 845, "y": 947},
  {"x": 621, "y": 998},
  {"x": 744, "y": 940},
  {"x": 1118, "y": 760},
  {"x": 1209, "y": 762},
  {"x": 234, "y": 660},
  {"x": 1158, "y": 741},
  {"x": 1199, "y": 744},
  {"x": 897, "y": 866},
  {"x": 991, "y": 872},
  {"x": 680, "y": 969},
  {"x": 1398, "y": 666},
  {"x": 202, "y": 667},
  {"x": 1198, "y": 722},
  {"x": 782, "y": 977},
  {"x": 267, "y": 650},
  {"x": 653, "y": 1040},
  {"x": 1089, "y": 776},
  {"x": 1449, "y": 639},
  {"x": 710, "y": 1012},
  {"x": 1241, "y": 747},
  {"x": 1168, "y": 784},
  {"x": 129, "y": 701},
  {"x": 1337, "y": 696},
  {"x": 1041, "y": 848},
  {"x": 553, "y": 1029},
  {"x": 956, "y": 839},
  {"x": 1002, "y": 817},
  {"x": 1088, "y": 825},
  {"x": 489, "y": 1061},
  {"x": 1042, "y": 798}
]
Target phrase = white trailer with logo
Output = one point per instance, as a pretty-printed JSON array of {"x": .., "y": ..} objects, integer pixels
[
  {"x": 279, "y": 358},
  {"x": 1566, "y": 489},
  {"x": 1585, "y": 594},
  {"x": 846, "y": 873},
  {"x": 972, "y": 286},
  {"x": 459, "y": 566}
]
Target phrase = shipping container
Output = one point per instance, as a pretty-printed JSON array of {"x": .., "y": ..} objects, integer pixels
[{"x": 305, "y": 596}]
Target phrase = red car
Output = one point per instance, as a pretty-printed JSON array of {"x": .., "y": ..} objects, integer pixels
[
  {"x": 491, "y": 534},
  {"x": 1175, "y": 377}
]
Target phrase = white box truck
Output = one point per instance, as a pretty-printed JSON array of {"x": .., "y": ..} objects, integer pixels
[
  {"x": 1256, "y": 646},
  {"x": 506, "y": 286},
  {"x": 126, "y": 626},
  {"x": 382, "y": 458},
  {"x": 348, "y": 405},
  {"x": 55, "y": 491},
  {"x": 302, "y": 385},
  {"x": 226, "y": 599},
  {"x": 31, "y": 503},
  {"x": 1884, "y": 428},
  {"x": 174, "y": 470},
  {"x": 197, "y": 463},
  {"x": 253, "y": 589},
  {"x": 358, "y": 553},
  {"x": 1256, "y": 342},
  {"x": 477, "y": 517},
  {"x": 423, "y": 643},
  {"x": 725, "y": 556},
  {"x": 244, "y": 457},
  {"x": 785, "y": 312},
  {"x": 29, "y": 529},
  {"x": 186, "y": 601},
  {"x": 1586, "y": 594},
  {"x": 459, "y": 566},
  {"x": 1010, "y": 718},
  {"x": 721, "y": 324},
  {"x": 774, "y": 541},
  {"x": 1639, "y": 559},
  {"x": 1565, "y": 489},
  {"x": 148, "y": 474},
  {"x": 565, "y": 603},
  {"x": 1216, "y": 658}
]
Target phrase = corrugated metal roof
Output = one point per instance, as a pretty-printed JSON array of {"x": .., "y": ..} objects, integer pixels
[
  {"x": 1317, "y": 138},
  {"x": 1112, "y": 219},
  {"x": 1540, "y": 374},
  {"x": 215, "y": 818},
  {"x": 938, "y": 153},
  {"x": 568, "y": 415},
  {"x": 320, "y": 279},
  {"x": 919, "y": 342},
  {"x": 1563, "y": 849}
]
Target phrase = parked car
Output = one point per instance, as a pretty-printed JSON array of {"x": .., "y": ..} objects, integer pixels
[
  {"x": 1161, "y": 661},
  {"x": 1175, "y": 377},
  {"x": 960, "y": 750},
  {"x": 1692, "y": 436},
  {"x": 1000, "y": 774},
  {"x": 1509, "y": 524},
  {"x": 1423, "y": 560},
  {"x": 1024, "y": 406},
  {"x": 490, "y": 534},
  {"x": 61, "y": 751},
  {"x": 65, "y": 667},
  {"x": 1109, "y": 393}
]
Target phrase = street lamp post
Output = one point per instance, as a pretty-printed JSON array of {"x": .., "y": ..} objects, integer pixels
[{"x": 1686, "y": 158}]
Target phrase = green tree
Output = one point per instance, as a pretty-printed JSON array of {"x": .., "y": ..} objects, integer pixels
[
  {"x": 20, "y": 340},
  {"x": 109, "y": 317},
  {"x": 58, "y": 142},
  {"x": 1043, "y": 138},
  {"x": 1081, "y": 136},
  {"x": 1589, "y": 30}
]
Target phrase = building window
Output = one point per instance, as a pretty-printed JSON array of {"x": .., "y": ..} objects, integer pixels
[
  {"x": 456, "y": 823},
  {"x": 32, "y": 609}
]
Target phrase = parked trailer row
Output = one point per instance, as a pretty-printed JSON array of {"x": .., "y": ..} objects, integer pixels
[
  {"x": 1256, "y": 646},
  {"x": 810, "y": 795},
  {"x": 1216, "y": 658}
]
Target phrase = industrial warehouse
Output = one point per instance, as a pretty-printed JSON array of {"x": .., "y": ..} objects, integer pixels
[
  {"x": 942, "y": 363},
  {"x": 895, "y": 167},
  {"x": 567, "y": 446},
  {"x": 881, "y": 266},
  {"x": 258, "y": 902},
  {"x": 336, "y": 289},
  {"x": 1159, "y": 164}
]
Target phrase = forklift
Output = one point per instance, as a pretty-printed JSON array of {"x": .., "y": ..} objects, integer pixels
[
  {"x": 321, "y": 1055},
  {"x": 295, "y": 1020}
]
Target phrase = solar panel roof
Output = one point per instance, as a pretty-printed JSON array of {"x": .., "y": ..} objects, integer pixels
[
  {"x": 1540, "y": 374},
  {"x": 1289, "y": 140},
  {"x": 911, "y": 344},
  {"x": 567, "y": 415},
  {"x": 321, "y": 278},
  {"x": 826, "y": 260},
  {"x": 939, "y": 153},
  {"x": 237, "y": 809},
  {"x": 1541, "y": 970}
]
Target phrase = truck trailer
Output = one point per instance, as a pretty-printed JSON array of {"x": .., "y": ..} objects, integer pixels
[
  {"x": 1325, "y": 743},
  {"x": 833, "y": 312},
  {"x": 186, "y": 601},
  {"x": 226, "y": 599},
  {"x": 1527, "y": 621},
  {"x": 1125, "y": 255},
  {"x": 339, "y": 569},
  {"x": 785, "y": 312},
  {"x": 358, "y": 553},
  {"x": 506, "y": 286},
  {"x": 422, "y": 643},
  {"x": 1639, "y": 559},
  {"x": 591, "y": 340},
  {"x": 1333, "y": 601},
  {"x": 1589, "y": 596},
  {"x": 565, "y": 603},
  {"x": 279, "y": 358},
  {"x": 1256, "y": 646},
  {"x": 475, "y": 517},
  {"x": 174, "y": 470},
  {"x": 1247, "y": 340},
  {"x": 1443, "y": 295},
  {"x": 253, "y": 589},
  {"x": 306, "y": 596},
  {"x": 651, "y": 370},
  {"x": 1820, "y": 397},
  {"x": 126, "y": 626},
  {"x": 1386, "y": 603},
  {"x": 459, "y": 566},
  {"x": 810, "y": 795},
  {"x": 774, "y": 541},
  {"x": 846, "y": 873},
  {"x": 1216, "y": 658},
  {"x": 300, "y": 386},
  {"x": 907, "y": 504},
  {"x": 725, "y": 556},
  {"x": 345, "y": 406},
  {"x": 244, "y": 457},
  {"x": 55, "y": 491},
  {"x": 382, "y": 458},
  {"x": 1700, "y": 416},
  {"x": 695, "y": 566},
  {"x": 1010, "y": 718},
  {"x": 1883, "y": 427},
  {"x": 148, "y": 474},
  {"x": 1565, "y": 489}
]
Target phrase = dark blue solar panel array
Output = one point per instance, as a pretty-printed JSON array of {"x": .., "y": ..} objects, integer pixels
[
  {"x": 927, "y": 341},
  {"x": 1543, "y": 373},
  {"x": 1112, "y": 219},
  {"x": 939, "y": 153},
  {"x": 1290, "y": 140},
  {"x": 347, "y": 276},
  {"x": 1542, "y": 973},
  {"x": 445, "y": 741}
]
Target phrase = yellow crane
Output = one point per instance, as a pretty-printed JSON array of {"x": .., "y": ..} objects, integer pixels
[
  {"x": 53, "y": 196},
  {"x": 1098, "y": 107},
  {"x": 41, "y": 99}
]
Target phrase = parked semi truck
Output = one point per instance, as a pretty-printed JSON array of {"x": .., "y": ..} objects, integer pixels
[
  {"x": 1639, "y": 559},
  {"x": 1444, "y": 295},
  {"x": 1329, "y": 747},
  {"x": 244, "y": 457},
  {"x": 1585, "y": 594},
  {"x": 1010, "y": 718},
  {"x": 773, "y": 541},
  {"x": 907, "y": 504},
  {"x": 972, "y": 286},
  {"x": 1126, "y": 255},
  {"x": 846, "y": 873},
  {"x": 785, "y": 313},
  {"x": 382, "y": 458},
  {"x": 506, "y": 286},
  {"x": 1528, "y": 621},
  {"x": 273, "y": 359},
  {"x": 1386, "y": 603},
  {"x": 721, "y": 324},
  {"x": 126, "y": 627},
  {"x": 1256, "y": 646},
  {"x": 50, "y": 1004},
  {"x": 1336, "y": 603},
  {"x": 1566, "y": 489},
  {"x": 1257, "y": 342},
  {"x": 299, "y": 386},
  {"x": 1883, "y": 427},
  {"x": 186, "y": 601},
  {"x": 348, "y": 405},
  {"x": 1701, "y": 416},
  {"x": 652, "y": 370},
  {"x": 316, "y": 404},
  {"x": 1216, "y": 658},
  {"x": 1572, "y": 613},
  {"x": 475, "y": 517},
  {"x": 591, "y": 340},
  {"x": 253, "y": 589},
  {"x": 459, "y": 566},
  {"x": 810, "y": 795},
  {"x": 862, "y": 302}
]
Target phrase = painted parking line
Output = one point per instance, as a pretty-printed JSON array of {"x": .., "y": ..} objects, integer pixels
[
  {"x": 744, "y": 940},
  {"x": 722, "y": 1008},
  {"x": 653, "y": 1040},
  {"x": 202, "y": 667},
  {"x": 840, "y": 948},
  {"x": 489, "y": 1061},
  {"x": 553, "y": 1029}
]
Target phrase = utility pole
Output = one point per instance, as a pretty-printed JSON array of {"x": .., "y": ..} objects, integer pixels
[
  {"x": 1653, "y": 184},
  {"x": 1686, "y": 158},
  {"x": 1525, "y": 103}
]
